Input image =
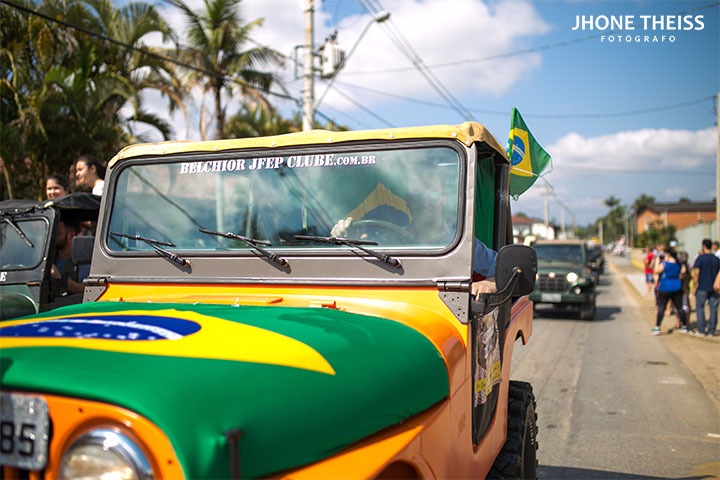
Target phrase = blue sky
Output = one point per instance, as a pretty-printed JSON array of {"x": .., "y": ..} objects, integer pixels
[{"x": 619, "y": 118}]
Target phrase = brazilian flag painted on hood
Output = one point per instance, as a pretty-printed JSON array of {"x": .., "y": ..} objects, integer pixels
[{"x": 301, "y": 383}]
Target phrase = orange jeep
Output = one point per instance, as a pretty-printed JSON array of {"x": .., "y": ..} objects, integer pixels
[{"x": 227, "y": 329}]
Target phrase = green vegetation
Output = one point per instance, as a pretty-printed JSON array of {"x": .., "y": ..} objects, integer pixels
[{"x": 73, "y": 74}]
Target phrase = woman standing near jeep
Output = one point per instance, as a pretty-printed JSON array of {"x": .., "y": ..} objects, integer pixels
[
  {"x": 90, "y": 173},
  {"x": 669, "y": 287}
]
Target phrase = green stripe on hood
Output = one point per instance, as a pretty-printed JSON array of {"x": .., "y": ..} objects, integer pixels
[{"x": 384, "y": 373}]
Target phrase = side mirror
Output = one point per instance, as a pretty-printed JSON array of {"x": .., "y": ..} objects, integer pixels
[{"x": 516, "y": 264}]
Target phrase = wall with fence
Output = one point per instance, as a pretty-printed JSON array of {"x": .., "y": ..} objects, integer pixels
[{"x": 690, "y": 238}]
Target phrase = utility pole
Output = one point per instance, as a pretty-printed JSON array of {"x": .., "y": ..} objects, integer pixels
[
  {"x": 308, "y": 80},
  {"x": 547, "y": 209}
]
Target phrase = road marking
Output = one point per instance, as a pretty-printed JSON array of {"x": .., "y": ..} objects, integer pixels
[{"x": 673, "y": 381}]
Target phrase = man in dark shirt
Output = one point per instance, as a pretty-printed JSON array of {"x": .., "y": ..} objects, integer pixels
[{"x": 705, "y": 270}]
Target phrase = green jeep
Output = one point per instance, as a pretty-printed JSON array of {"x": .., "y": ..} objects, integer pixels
[
  {"x": 564, "y": 277},
  {"x": 28, "y": 231}
]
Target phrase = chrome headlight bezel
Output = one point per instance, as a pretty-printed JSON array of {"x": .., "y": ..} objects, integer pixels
[{"x": 109, "y": 440}]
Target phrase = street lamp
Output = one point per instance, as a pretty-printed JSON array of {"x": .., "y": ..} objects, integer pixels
[{"x": 379, "y": 18}]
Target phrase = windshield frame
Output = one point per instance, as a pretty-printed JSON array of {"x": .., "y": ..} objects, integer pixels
[
  {"x": 40, "y": 243},
  {"x": 554, "y": 247},
  {"x": 310, "y": 249}
]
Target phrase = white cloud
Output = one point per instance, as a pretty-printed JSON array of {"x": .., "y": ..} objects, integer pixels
[
  {"x": 439, "y": 36},
  {"x": 651, "y": 161},
  {"x": 639, "y": 149},
  {"x": 433, "y": 28}
]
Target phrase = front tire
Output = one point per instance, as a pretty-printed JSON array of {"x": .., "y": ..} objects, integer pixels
[
  {"x": 518, "y": 458},
  {"x": 587, "y": 311}
]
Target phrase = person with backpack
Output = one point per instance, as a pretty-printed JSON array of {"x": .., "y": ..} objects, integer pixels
[{"x": 669, "y": 287}]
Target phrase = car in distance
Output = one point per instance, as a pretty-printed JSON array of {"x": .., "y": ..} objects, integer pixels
[{"x": 564, "y": 278}]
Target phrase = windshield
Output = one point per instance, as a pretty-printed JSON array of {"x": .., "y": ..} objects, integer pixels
[
  {"x": 560, "y": 253},
  {"x": 401, "y": 198},
  {"x": 22, "y": 242}
]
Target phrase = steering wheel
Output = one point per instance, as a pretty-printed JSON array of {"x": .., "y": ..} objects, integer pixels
[{"x": 379, "y": 231}]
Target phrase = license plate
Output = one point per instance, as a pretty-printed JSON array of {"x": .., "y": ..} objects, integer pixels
[
  {"x": 24, "y": 427},
  {"x": 551, "y": 297}
]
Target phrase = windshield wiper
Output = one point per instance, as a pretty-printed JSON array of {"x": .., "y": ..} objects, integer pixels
[
  {"x": 18, "y": 230},
  {"x": 252, "y": 243},
  {"x": 156, "y": 245},
  {"x": 355, "y": 244}
]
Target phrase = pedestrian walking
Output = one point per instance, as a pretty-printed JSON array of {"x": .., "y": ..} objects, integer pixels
[
  {"x": 705, "y": 269},
  {"x": 669, "y": 288},
  {"x": 649, "y": 279}
]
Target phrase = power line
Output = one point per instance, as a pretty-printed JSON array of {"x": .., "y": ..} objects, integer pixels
[
  {"x": 107, "y": 39},
  {"x": 365, "y": 109},
  {"x": 551, "y": 116},
  {"x": 143, "y": 51},
  {"x": 406, "y": 48}
]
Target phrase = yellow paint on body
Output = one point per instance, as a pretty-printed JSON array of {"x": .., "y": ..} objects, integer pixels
[{"x": 217, "y": 339}]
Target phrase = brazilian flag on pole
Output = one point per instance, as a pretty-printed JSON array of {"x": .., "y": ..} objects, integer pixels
[{"x": 527, "y": 157}]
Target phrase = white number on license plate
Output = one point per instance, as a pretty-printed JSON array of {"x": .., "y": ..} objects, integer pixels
[
  {"x": 24, "y": 427},
  {"x": 551, "y": 297}
]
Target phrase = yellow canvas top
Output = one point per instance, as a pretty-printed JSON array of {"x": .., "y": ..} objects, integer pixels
[{"x": 467, "y": 133}]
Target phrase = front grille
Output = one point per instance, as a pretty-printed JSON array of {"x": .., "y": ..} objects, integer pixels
[{"x": 547, "y": 284}]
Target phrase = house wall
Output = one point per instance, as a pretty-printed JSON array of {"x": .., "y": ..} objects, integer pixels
[
  {"x": 679, "y": 219},
  {"x": 690, "y": 238}
]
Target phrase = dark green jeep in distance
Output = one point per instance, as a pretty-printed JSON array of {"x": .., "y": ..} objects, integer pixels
[{"x": 564, "y": 277}]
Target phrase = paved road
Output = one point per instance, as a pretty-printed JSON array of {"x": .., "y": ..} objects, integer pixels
[{"x": 613, "y": 400}]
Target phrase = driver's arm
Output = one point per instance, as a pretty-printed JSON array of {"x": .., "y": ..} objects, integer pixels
[
  {"x": 340, "y": 228},
  {"x": 483, "y": 264}
]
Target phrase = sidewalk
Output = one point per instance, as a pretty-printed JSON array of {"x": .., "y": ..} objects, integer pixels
[{"x": 701, "y": 355}]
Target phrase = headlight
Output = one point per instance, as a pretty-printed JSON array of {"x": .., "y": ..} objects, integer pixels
[
  {"x": 572, "y": 277},
  {"x": 104, "y": 454}
]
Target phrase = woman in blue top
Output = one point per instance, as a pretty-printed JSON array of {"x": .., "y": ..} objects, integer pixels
[{"x": 669, "y": 287}]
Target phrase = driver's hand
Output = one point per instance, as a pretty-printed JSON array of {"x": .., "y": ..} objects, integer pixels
[
  {"x": 483, "y": 286},
  {"x": 340, "y": 228}
]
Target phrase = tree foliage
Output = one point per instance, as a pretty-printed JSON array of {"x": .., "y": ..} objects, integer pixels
[
  {"x": 73, "y": 74},
  {"x": 65, "y": 92},
  {"x": 217, "y": 38},
  {"x": 656, "y": 234},
  {"x": 615, "y": 222}
]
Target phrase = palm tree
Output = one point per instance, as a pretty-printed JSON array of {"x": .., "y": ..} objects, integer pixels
[
  {"x": 63, "y": 91},
  {"x": 255, "y": 121},
  {"x": 129, "y": 25},
  {"x": 642, "y": 201},
  {"x": 217, "y": 37}
]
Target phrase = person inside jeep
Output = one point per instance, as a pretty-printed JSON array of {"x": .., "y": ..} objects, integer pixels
[
  {"x": 62, "y": 271},
  {"x": 429, "y": 225}
]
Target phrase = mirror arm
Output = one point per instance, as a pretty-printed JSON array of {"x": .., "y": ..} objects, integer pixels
[
  {"x": 517, "y": 272},
  {"x": 484, "y": 305}
]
